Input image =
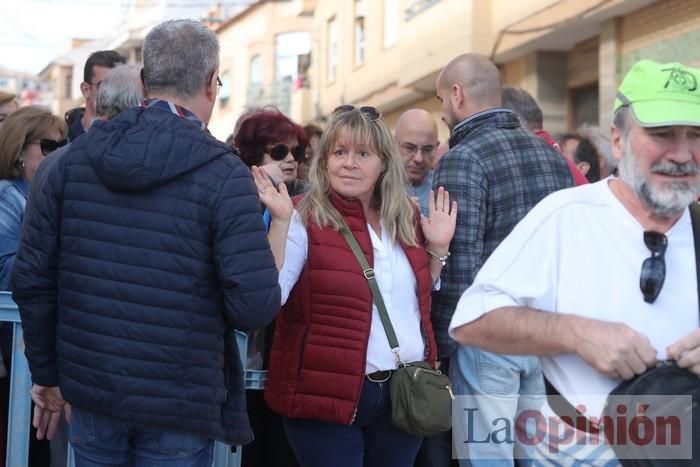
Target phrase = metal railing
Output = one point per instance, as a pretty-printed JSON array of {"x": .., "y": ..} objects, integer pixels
[{"x": 19, "y": 416}]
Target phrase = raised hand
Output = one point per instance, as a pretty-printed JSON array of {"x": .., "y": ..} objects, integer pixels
[
  {"x": 276, "y": 199},
  {"x": 439, "y": 226}
]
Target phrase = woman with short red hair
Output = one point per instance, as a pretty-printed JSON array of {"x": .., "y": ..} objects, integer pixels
[{"x": 267, "y": 138}]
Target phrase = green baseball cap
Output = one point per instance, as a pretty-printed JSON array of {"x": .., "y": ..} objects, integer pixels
[{"x": 661, "y": 94}]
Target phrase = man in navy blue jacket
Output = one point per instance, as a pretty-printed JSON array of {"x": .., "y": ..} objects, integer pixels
[{"x": 143, "y": 248}]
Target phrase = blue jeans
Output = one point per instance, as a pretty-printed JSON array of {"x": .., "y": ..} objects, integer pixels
[
  {"x": 371, "y": 441},
  {"x": 504, "y": 385},
  {"x": 98, "y": 440}
]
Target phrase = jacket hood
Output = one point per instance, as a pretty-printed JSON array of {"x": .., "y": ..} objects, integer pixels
[{"x": 143, "y": 148}]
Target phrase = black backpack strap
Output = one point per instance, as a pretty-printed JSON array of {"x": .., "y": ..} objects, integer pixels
[{"x": 695, "y": 220}]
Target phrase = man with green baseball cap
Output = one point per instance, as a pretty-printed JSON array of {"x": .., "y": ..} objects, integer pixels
[{"x": 599, "y": 280}]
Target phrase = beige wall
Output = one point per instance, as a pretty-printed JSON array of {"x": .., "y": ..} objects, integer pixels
[
  {"x": 404, "y": 74},
  {"x": 659, "y": 21},
  {"x": 61, "y": 101},
  {"x": 252, "y": 33},
  {"x": 506, "y": 12}
]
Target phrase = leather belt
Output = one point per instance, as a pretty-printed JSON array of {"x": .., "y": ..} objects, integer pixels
[{"x": 380, "y": 376}]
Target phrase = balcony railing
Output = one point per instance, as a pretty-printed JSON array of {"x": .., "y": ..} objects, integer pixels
[{"x": 279, "y": 95}]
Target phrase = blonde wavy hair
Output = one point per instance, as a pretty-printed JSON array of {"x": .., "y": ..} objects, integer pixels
[{"x": 390, "y": 196}]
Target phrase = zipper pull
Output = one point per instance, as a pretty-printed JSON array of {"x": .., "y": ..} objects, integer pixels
[{"x": 449, "y": 389}]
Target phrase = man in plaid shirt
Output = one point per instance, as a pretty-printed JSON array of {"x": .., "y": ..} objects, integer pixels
[{"x": 497, "y": 171}]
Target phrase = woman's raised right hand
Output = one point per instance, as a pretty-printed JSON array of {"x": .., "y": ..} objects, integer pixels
[{"x": 276, "y": 199}]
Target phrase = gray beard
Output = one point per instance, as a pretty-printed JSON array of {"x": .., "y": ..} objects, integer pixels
[{"x": 667, "y": 200}]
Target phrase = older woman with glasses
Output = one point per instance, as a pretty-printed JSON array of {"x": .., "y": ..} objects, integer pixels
[
  {"x": 268, "y": 138},
  {"x": 331, "y": 363},
  {"x": 27, "y": 136}
]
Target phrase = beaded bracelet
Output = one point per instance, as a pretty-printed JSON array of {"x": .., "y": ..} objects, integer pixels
[{"x": 441, "y": 259}]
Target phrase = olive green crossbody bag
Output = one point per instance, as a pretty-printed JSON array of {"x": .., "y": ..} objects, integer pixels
[{"x": 421, "y": 396}]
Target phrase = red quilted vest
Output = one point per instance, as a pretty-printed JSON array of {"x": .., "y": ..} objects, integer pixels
[{"x": 318, "y": 357}]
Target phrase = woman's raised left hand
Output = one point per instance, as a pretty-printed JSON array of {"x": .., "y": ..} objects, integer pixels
[
  {"x": 276, "y": 199},
  {"x": 439, "y": 226}
]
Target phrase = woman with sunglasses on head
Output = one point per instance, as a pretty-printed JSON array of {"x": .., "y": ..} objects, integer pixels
[
  {"x": 27, "y": 136},
  {"x": 331, "y": 363}
]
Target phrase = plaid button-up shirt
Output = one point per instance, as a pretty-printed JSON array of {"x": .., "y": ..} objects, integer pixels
[{"x": 496, "y": 171}]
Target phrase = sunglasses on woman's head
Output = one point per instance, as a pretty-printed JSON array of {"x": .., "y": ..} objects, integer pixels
[
  {"x": 372, "y": 112},
  {"x": 280, "y": 151}
]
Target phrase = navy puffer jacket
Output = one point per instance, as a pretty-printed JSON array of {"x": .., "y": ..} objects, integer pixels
[{"x": 143, "y": 247}]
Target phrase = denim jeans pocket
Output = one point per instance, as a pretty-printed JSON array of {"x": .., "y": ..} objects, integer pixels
[
  {"x": 496, "y": 375},
  {"x": 173, "y": 444},
  {"x": 81, "y": 429}
]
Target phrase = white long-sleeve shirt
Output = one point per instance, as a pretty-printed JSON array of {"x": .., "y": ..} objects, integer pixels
[{"x": 396, "y": 281}]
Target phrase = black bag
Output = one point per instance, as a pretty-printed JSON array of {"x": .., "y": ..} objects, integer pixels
[{"x": 666, "y": 379}]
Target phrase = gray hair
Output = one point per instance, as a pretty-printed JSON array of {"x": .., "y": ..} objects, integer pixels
[
  {"x": 621, "y": 119},
  {"x": 120, "y": 90},
  {"x": 524, "y": 106},
  {"x": 601, "y": 140},
  {"x": 179, "y": 58}
]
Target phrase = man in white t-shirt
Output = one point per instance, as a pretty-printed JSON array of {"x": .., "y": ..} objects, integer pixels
[{"x": 600, "y": 280}]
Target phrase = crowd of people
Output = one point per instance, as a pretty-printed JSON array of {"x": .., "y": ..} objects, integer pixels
[{"x": 135, "y": 243}]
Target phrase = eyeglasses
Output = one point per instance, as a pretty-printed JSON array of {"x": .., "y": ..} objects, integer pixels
[
  {"x": 372, "y": 112},
  {"x": 49, "y": 145},
  {"x": 411, "y": 150},
  {"x": 653, "y": 274},
  {"x": 280, "y": 151},
  {"x": 219, "y": 84}
]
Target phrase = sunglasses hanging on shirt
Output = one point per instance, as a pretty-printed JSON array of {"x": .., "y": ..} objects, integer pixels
[{"x": 653, "y": 274}]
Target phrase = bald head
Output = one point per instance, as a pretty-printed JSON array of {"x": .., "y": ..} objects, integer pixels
[
  {"x": 475, "y": 82},
  {"x": 416, "y": 121},
  {"x": 416, "y": 134}
]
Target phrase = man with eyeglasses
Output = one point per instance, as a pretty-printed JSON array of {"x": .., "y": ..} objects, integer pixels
[
  {"x": 417, "y": 137},
  {"x": 600, "y": 280},
  {"x": 144, "y": 250},
  {"x": 94, "y": 71}
]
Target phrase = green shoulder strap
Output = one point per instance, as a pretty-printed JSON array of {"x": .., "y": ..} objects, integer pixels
[{"x": 376, "y": 294}]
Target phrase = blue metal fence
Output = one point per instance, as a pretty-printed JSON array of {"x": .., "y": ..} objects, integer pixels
[{"x": 19, "y": 416}]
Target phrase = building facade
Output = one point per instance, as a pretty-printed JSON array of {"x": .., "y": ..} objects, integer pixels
[
  {"x": 570, "y": 54},
  {"x": 265, "y": 57}
]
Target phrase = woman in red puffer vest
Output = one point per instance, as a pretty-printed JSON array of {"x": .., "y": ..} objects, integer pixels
[{"x": 331, "y": 362}]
